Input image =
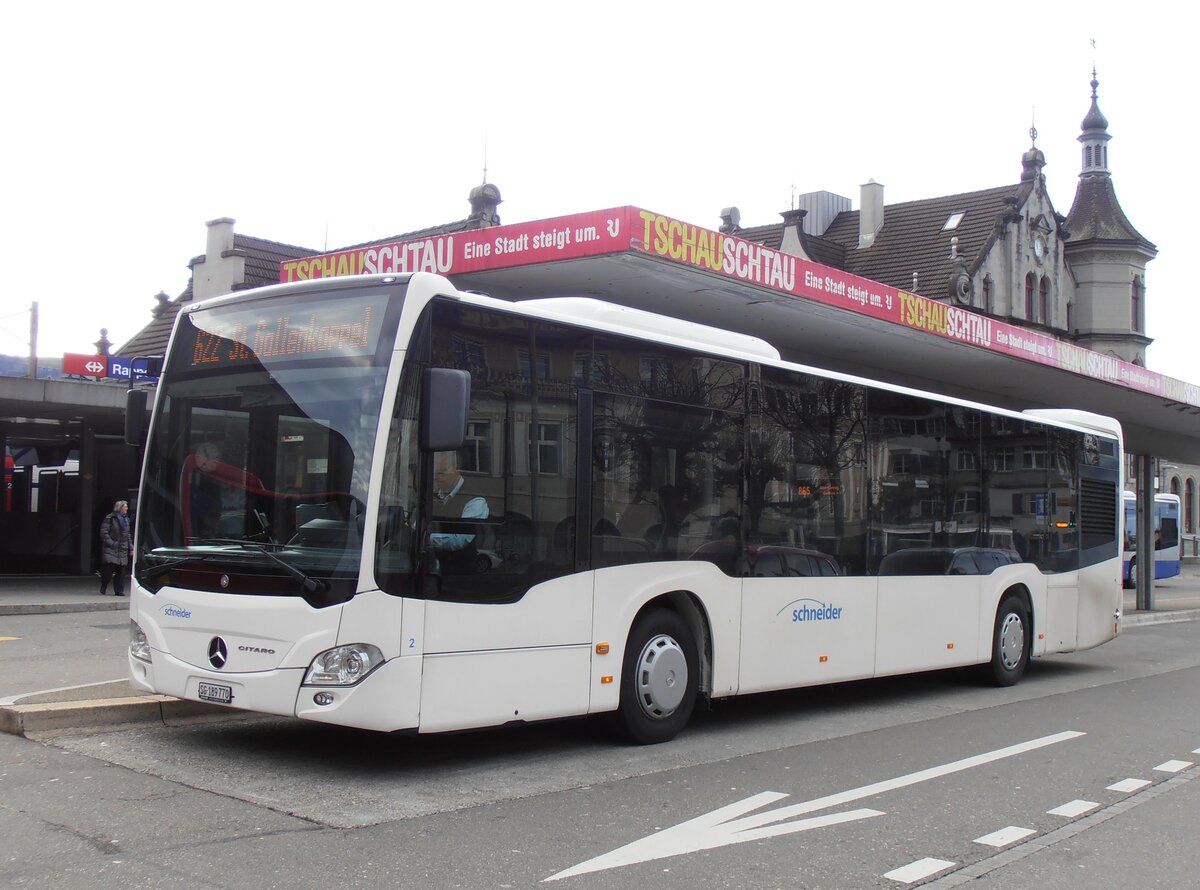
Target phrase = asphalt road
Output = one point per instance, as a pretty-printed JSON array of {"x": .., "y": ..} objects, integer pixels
[{"x": 837, "y": 787}]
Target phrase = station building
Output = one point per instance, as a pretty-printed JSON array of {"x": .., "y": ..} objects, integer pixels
[{"x": 1065, "y": 293}]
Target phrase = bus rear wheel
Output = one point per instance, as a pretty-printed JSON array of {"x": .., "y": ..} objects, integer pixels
[
  {"x": 659, "y": 678},
  {"x": 1010, "y": 642}
]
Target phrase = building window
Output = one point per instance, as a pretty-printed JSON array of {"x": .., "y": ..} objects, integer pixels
[
  {"x": 549, "y": 448},
  {"x": 1033, "y": 457},
  {"x": 1087, "y": 156},
  {"x": 1002, "y": 460},
  {"x": 1189, "y": 507},
  {"x": 1044, "y": 300},
  {"x": 476, "y": 453},
  {"x": 953, "y": 220},
  {"x": 1135, "y": 305},
  {"x": 1030, "y": 281},
  {"x": 470, "y": 355},
  {"x": 543, "y": 365}
]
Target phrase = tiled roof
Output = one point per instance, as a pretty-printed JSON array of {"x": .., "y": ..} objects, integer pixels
[
  {"x": 913, "y": 240},
  {"x": 1097, "y": 216},
  {"x": 262, "y": 267},
  {"x": 821, "y": 250},
  {"x": 825, "y": 251},
  {"x": 769, "y": 236},
  {"x": 460, "y": 225}
]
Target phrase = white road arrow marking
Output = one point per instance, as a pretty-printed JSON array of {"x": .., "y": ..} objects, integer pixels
[
  {"x": 723, "y": 827},
  {"x": 712, "y": 830}
]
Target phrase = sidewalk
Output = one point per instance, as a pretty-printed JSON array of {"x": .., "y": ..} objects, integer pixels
[
  {"x": 95, "y": 706},
  {"x": 49, "y": 594}
]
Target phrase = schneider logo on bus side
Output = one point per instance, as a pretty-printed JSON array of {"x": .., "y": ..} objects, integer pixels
[{"x": 818, "y": 611}]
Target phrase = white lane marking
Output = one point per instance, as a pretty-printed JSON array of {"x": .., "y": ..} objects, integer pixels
[
  {"x": 713, "y": 829},
  {"x": 1128, "y": 785},
  {"x": 1073, "y": 809},
  {"x": 13, "y": 699},
  {"x": 1005, "y": 836},
  {"x": 1173, "y": 766},
  {"x": 919, "y": 870}
]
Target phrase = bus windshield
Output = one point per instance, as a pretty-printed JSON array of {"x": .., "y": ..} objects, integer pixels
[{"x": 259, "y": 462}]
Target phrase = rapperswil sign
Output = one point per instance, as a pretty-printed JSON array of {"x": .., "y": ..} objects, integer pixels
[
  {"x": 116, "y": 366},
  {"x": 625, "y": 229}
]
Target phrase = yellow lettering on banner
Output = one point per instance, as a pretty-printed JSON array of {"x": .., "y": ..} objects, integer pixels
[
  {"x": 680, "y": 241},
  {"x": 918, "y": 312}
]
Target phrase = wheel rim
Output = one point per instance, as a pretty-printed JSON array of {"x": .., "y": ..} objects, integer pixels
[
  {"x": 1012, "y": 641},
  {"x": 662, "y": 675}
]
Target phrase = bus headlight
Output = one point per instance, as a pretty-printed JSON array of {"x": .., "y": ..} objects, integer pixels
[
  {"x": 138, "y": 647},
  {"x": 343, "y": 666}
]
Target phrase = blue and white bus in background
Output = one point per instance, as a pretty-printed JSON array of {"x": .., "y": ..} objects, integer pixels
[{"x": 1166, "y": 538}]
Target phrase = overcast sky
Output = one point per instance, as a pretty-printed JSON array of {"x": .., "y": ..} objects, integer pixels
[{"x": 128, "y": 126}]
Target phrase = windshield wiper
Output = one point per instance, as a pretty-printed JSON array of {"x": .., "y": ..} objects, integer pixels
[
  {"x": 309, "y": 583},
  {"x": 169, "y": 564}
]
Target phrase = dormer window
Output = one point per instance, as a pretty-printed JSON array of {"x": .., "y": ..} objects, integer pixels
[{"x": 955, "y": 218}]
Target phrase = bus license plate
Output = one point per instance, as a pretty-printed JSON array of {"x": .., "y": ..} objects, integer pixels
[{"x": 215, "y": 692}]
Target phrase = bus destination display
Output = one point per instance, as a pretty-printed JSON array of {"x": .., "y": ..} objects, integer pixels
[{"x": 332, "y": 329}]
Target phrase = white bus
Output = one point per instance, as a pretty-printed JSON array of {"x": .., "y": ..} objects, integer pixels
[
  {"x": 1167, "y": 562},
  {"x": 383, "y": 503}
]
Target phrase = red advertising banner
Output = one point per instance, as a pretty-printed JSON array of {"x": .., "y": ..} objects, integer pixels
[
  {"x": 500, "y": 247},
  {"x": 746, "y": 261},
  {"x": 624, "y": 229}
]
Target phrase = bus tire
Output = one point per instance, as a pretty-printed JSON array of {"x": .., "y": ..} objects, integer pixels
[
  {"x": 659, "y": 679},
  {"x": 1131, "y": 578},
  {"x": 1011, "y": 641}
]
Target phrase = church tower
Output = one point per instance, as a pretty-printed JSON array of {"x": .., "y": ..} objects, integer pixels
[{"x": 1107, "y": 255}]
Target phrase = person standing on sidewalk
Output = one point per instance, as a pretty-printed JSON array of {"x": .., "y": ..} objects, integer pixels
[{"x": 117, "y": 543}]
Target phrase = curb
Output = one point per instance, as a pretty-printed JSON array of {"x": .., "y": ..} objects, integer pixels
[
  {"x": 1136, "y": 619},
  {"x": 24, "y": 720},
  {"x": 57, "y": 608}
]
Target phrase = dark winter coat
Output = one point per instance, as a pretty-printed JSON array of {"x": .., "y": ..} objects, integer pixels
[{"x": 115, "y": 539}]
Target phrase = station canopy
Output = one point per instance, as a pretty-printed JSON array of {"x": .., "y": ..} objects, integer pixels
[{"x": 813, "y": 314}]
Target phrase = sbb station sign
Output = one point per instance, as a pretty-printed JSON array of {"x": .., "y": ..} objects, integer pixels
[{"x": 118, "y": 367}]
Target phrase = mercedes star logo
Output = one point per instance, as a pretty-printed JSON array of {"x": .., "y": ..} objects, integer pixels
[{"x": 218, "y": 653}]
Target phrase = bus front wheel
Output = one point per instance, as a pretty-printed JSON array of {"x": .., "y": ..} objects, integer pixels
[
  {"x": 659, "y": 678},
  {"x": 1010, "y": 642}
]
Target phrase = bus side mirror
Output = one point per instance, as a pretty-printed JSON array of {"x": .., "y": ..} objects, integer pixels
[
  {"x": 135, "y": 417},
  {"x": 445, "y": 396}
]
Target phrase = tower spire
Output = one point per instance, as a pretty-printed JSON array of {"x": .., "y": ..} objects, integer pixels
[{"x": 1094, "y": 136}]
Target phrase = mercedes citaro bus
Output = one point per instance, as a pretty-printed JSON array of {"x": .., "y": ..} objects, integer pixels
[{"x": 381, "y": 502}]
